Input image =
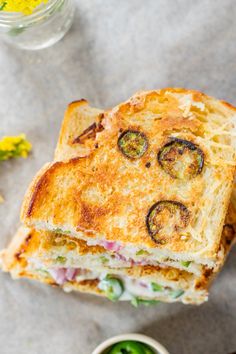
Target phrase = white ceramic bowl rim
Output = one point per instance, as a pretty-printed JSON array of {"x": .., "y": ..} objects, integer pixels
[{"x": 131, "y": 336}]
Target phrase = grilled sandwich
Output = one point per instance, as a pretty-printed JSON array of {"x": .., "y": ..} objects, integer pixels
[
  {"x": 62, "y": 258},
  {"x": 153, "y": 185}
]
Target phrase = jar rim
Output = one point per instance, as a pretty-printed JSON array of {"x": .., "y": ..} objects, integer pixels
[{"x": 9, "y": 18}]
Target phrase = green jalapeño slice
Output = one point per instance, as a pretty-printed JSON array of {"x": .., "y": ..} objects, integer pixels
[
  {"x": 133, "y": 144},
  {"x": 112, "y": 287},
  {"x": 181, "y": 159},
  {"x": 165, "y": 218},
  {"x": 130, "y": 347}
]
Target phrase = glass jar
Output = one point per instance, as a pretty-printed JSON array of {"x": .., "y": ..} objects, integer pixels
[{"x": 41, "y": 29}]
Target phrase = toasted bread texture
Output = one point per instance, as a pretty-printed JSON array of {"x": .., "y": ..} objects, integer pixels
[
  {"x": 138, "y": 195},
  {"x": 79, "y": 118}
]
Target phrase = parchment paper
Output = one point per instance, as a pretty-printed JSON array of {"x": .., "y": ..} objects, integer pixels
[{"x": 114, "y": 49}]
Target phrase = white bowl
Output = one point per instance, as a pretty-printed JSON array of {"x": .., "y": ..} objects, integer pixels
[{"x": 153, "y": 344}]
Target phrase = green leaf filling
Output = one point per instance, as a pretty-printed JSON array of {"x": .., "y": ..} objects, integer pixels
[
  {"x": 61, "y": 259},
  {"x": 57, "y": 231},
  {"x": 142, "y": 252},
  {"x": 42, "y": 272},
  {"x": 156, "y": 287},
  {"x": 60, "y": 231},
  {"x": 136, "y": 301},
  {"x": 176, "y": 293},
  {"x": 186, "y": 263}
]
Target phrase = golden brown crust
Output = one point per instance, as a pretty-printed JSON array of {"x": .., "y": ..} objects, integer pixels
[
  {"x": 228, "y": 105},
  {"x": 27, "y": 199},
  {"x": 93, "y": 194},
  {"x": 86, "y": 286},
  {"x": 24, "y": 241},
  {"x": 50, "y": 239},
  {"x": 78, "y": 116},
  {"x": 41, "y": 185}
]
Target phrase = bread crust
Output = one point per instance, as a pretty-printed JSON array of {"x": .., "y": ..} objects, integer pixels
[
  {"x": 78, "y": 117},
  {"x": 10, "y": 257}
]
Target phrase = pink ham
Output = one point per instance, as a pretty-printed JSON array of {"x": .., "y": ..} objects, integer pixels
[
  {"x": 121, "y": 257},
  {"x": 59, "y": 275},
  {"x": 143, "y": 284},
  {"x": 62, "y": 275},
  {"x": 71, "y": 273},
  {"x": 130, "y": 260}
]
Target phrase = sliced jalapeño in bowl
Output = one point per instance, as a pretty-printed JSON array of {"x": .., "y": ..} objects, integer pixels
[
  {"x": 130, "y": 347},
  {"x": 181, "y": 159}
]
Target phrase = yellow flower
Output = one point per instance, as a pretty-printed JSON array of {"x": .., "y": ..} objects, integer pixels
[
  {"x": 14, "y": 146},
  {"x": 24, "y": 6}
]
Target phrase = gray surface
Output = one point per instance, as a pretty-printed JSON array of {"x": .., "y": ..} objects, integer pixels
[{"x": 114, "y": 48}]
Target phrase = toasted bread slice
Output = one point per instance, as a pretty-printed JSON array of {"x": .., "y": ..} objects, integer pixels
[
  {"x": 167, "y": 195},
  {"x": 55, "y": 249},
  {"x": 79, "y": 118}
]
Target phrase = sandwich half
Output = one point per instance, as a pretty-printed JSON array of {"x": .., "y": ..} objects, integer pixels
[
  {"x": 66, "y": 261},
  {"x": 153, "y": 184},
  {"x": 69, "y": 263}
]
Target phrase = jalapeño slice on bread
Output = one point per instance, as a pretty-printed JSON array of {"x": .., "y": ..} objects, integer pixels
[
  {"x": 181, "y": 159},
  {"x": 166, "y": 217},
  {"x": 133, "y": 144}
]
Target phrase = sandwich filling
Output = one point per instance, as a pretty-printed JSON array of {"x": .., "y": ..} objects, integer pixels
[
  {"x": 139, "y": 284},
  {"x": 61, "y": 250},
  {"x": 113, "y": 254},
  {"x": 120, "y": 287}
]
